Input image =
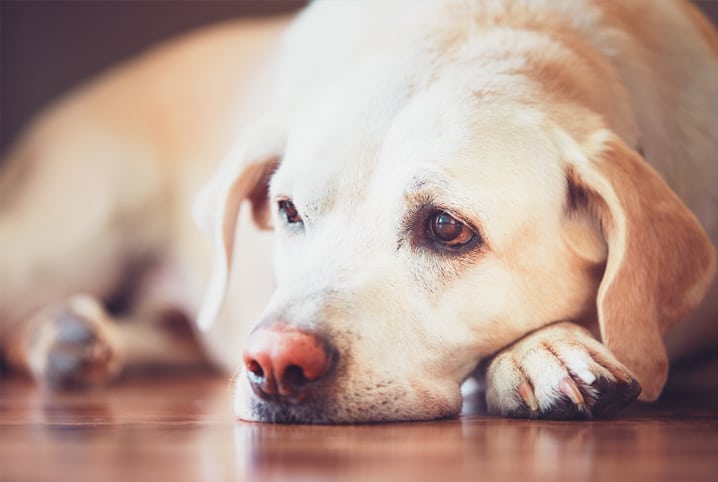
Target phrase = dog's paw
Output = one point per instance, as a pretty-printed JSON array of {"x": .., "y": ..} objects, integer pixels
[
  {"x": 70, "y": 346},
  {"x": 558, "y": 372}
]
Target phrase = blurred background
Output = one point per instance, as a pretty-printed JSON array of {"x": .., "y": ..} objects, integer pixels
[{"x": 49, "y": 46}]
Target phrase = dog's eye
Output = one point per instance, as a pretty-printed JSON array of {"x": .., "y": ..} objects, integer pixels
[
  {"x": 289, "y": 211},
  {"x": 449, "y": 231}
]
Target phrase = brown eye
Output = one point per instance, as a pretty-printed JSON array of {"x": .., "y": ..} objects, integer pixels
[
  {"x": 289, "y": 211},
  {"x": 449, "y": 231}
]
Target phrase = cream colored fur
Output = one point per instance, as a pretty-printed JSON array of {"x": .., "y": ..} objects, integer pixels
[{"x": 524, "y": 119}]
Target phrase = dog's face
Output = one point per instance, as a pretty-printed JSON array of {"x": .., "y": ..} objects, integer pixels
[
  {"x": 418, "y": 242},
  {"x": 428, "y": 218}
]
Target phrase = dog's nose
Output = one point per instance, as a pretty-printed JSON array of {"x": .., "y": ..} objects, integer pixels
[{"x": 283, "y": 363}]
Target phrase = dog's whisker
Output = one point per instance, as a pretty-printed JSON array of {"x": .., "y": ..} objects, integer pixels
[{"x": 233, "y": 380}]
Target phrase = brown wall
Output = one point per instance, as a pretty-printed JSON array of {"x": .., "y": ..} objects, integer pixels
[{"x": 47, "y": 46}]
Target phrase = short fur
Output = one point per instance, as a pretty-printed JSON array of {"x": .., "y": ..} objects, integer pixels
[{"x": 576, "y": 141}]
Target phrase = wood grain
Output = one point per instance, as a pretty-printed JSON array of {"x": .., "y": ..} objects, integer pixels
[{"x": 177, "y": 429}]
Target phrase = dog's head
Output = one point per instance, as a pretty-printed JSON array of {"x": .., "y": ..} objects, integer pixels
[{"x": 423, "y": 222}]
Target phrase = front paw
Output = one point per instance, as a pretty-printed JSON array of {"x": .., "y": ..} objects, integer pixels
[
  {"x": 70, "y": 346},
  {"x": 558, "y": 372}
]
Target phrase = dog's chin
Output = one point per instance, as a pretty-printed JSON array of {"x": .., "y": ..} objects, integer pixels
[{"x": 401, "y": 407}]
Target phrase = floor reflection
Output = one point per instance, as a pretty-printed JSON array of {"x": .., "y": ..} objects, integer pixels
[
  {"x": 494, "y": 449},
  {"x": 185, "y": 431}
]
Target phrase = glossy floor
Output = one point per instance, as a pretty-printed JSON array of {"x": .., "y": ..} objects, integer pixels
[{"x": 182, "y": 429}]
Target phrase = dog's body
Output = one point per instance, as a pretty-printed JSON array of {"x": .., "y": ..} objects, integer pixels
[{"x": 515, "y": 124}]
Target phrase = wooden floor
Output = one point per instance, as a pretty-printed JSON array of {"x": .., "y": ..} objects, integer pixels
[{"x": 182, "y": 430}]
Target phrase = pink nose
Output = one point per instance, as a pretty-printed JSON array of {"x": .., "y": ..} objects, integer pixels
[{"x": 283, "y": 362}]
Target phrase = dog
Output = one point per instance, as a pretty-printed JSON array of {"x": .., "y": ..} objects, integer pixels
[{"x": 390, "y": 199}]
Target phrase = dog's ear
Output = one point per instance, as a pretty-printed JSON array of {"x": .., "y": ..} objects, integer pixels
[
  {"x": 243, "y": 176},
  {"x": 660, "y": 261}
]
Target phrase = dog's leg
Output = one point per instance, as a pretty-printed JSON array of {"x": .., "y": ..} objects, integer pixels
[
  {"x": 70, "y": 344},
  {"x": 558, "y": 372},
  {"x": 81, "y": 206},
  {"x": 77, "y": 344}
]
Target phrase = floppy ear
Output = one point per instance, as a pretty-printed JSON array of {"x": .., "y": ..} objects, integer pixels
[
  {"x": 660, "y": 261},
  {"x": 244, "y": 175}
]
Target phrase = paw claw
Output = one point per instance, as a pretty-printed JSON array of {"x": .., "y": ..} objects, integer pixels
[
  {"x": 527, "y": 394},
  {"x": 586, "y": 377},
  {"x": 569, "y": 388}
]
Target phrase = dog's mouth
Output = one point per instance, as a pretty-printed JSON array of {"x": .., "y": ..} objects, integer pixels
[
  {"x": 321, "y": 408},
  {"x": 278, "y": 412},
  {"x": 318, "y": 414},
  {"x": 309, "y": 408},
  {"x": 350, "y": 402},
  {"x": 339, "y": 414}
]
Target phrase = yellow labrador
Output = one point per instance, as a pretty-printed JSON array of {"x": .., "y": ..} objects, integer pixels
[{"x": 522, "y": 191}]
